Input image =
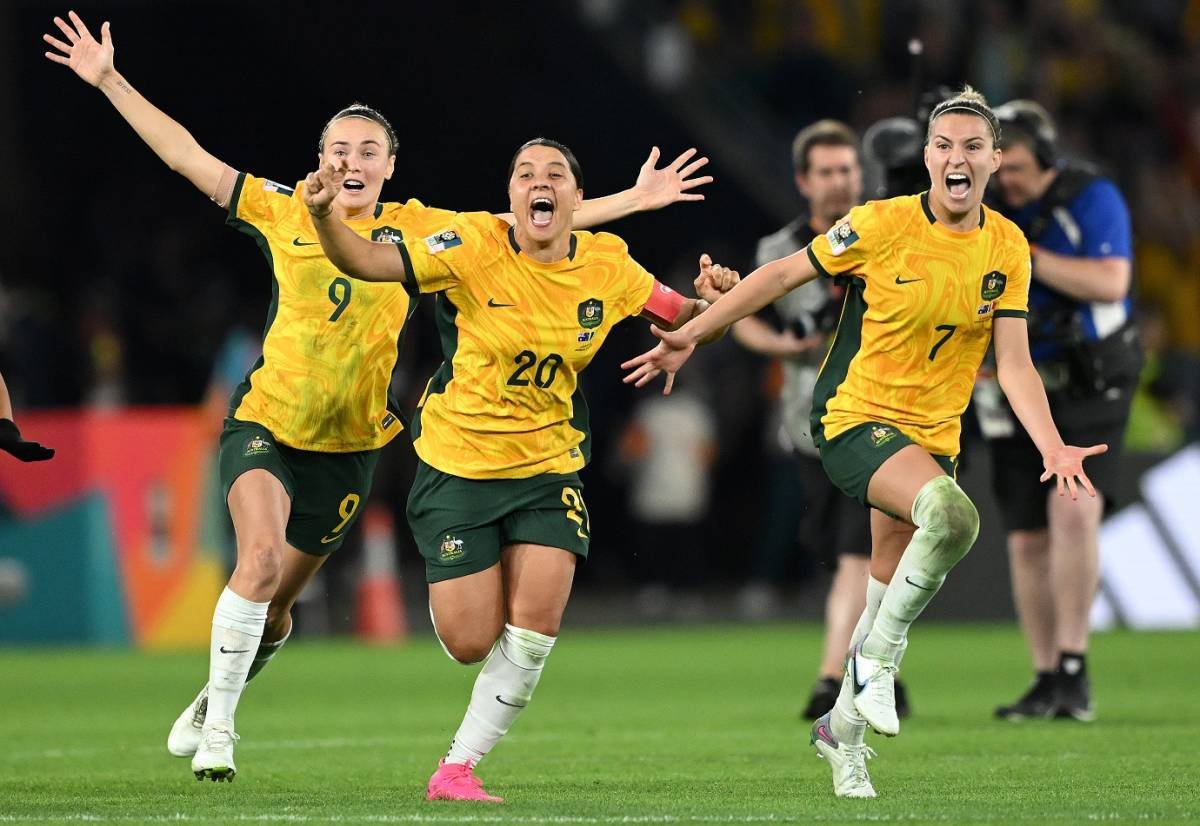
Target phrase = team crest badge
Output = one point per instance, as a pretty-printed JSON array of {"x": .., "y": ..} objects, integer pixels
[
  {"x": 450, "y": 549},
  {"x": 882, "y": 434},
  {"x": 387, "y": 235},
  {"x": 257, "y": 447},
  {"x": 443, "y": 241},
  {"x": 841, "y": 237},
  {"x": 591, "y": 313},
  {"x": 993, "y": 286}
]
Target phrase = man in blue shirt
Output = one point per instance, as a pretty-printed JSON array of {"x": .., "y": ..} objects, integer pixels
[{"x": 1085, "y": 347}]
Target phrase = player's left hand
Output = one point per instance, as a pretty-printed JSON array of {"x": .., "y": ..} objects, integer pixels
[
  {"x": 674, "y": 348},
  {"x": 26, "y": 451},
  {"x": 657, "y": 188},
  {"x": 322, "y": 186},
  {"x": 714, "y": 280},
  {"x": 1067, "y": 464}
]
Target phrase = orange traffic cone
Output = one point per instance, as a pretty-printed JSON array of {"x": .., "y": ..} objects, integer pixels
[{"x": 380, "y": 599}]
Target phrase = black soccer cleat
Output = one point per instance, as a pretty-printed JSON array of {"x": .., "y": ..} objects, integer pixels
[
  {"x": 1039, "y": 702},
  {"x": 1073, "y": 694}
]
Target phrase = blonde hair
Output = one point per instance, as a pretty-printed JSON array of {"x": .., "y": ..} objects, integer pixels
[{"x": 971, "y": 102}]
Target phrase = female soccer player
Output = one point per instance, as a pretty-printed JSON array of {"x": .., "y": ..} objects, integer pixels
[
  {"x": 497, "y": 505},
  {"x": 932, "y": 279},
  {"x": 304, "y": 429}
]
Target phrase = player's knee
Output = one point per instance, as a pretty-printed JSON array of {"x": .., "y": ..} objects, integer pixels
[
  {"x": 943, "y": 509},
  {"x": 260, "y": 561},
  {"x": 467, "y": 649}
]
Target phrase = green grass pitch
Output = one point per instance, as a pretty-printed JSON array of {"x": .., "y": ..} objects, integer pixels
[{"x": 632, "y": 726}]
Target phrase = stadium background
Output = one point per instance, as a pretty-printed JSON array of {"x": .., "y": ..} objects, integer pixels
[{"x": 120, "y": 287}]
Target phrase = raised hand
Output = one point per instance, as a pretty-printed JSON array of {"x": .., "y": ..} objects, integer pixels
[
  {"x": 90, "y": 60},
  {"x": 1067, "y": 464},
  {"x": 714, "y": 280},
  {"x": 321, "y": 187},
  {"x": 672, "y": 351},
  {"x": 657, "y": 188}
]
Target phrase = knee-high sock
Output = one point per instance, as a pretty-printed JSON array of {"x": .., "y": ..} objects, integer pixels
[
  {"x": 947, "y": 524},
  {"x": 847, "y": 724},
  {"x": 237, "y": 630},
  {"x": 502, "y": 689}
]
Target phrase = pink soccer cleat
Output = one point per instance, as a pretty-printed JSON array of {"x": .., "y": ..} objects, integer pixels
[{"x": 457, "y": 781}]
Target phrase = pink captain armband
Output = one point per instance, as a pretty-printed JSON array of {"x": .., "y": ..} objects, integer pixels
[{"x": 663, "y": 305}]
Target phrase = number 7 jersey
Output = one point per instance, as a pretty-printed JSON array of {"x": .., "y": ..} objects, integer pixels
[{"x": 917, "y": 317}]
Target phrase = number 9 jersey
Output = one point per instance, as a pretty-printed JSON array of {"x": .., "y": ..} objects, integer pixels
[
  {"x": 506, "y": 402},
  {"x": 917, "y": 317},
  {"x": 331, "y": 342}
]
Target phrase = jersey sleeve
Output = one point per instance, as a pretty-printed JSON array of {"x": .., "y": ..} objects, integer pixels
[
  {"x": 848, "y": 244},
  {"x": 1103, "y": 222},
  {"x": 439, "y": 260},
  {"x": 638, "y": 287},
  {"x": 258, "y": 203},
  {"x": 1014, "y": 300}
]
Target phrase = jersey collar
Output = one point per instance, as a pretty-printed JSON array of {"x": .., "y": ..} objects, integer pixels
[
  {"x": 512, "y": 239},
  {"x": 933, "y": 218}
]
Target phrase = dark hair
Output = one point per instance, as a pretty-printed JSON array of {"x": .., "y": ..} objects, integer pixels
[
  {"x": 821, "y": 133},
  {"x": 1028, "y": 123},
  {"x": 361, "y": 110},
  {"x": 572, "y": 162},
  {"x": 971, "y": 102}
]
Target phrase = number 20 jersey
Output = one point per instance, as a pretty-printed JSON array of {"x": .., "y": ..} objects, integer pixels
[
  {"x": 331, "y": 342},
  {"x": 917, "y": 317},
  {"x": 506, "y": 402}
]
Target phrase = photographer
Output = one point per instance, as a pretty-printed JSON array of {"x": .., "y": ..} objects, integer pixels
[{"x": 1085, "y": 347}]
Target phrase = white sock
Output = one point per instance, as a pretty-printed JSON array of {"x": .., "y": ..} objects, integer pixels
[
  {"x": 847, "y": 724},
  {"x": 266, "y": 652},
  {"x": 502, "y": 689},
  {"x": 237, "y": 629},
  {"x": 947, "y": 524}
]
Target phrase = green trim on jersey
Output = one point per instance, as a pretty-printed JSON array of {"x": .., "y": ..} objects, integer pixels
[
  {"x": 847, "y": 340},
  {"x": 581, "y": 421},
  {"x": 445, "y": 314},
  {"x": 1010, "y": 314},
  {"x": 247, "y": 228}
]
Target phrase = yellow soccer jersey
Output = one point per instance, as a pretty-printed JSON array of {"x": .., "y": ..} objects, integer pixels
[
  {"x": 506, "y": 402},
  {"x": 917, "y": 317},
  {"x": 323, "y": 382}
]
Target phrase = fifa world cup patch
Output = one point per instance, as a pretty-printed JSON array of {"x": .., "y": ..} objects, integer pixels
[
  {"x": 450, "y": 549},
  {"x": 257, "y": 446},
  {"x": 444, "y": 240},
  {"x": 993, "y": 285},
  {"x": 279, "y": 189},
  {"x": 591, "y": 313},
  {"x": 882, "y": 434},
  {"x": 841, "y": 237}
]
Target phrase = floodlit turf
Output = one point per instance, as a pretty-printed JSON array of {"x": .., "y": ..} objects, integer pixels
[{"x": 638, "y": 726}]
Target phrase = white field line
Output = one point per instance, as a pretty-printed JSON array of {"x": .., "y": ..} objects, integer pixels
[{"x": 865, "y": 817}]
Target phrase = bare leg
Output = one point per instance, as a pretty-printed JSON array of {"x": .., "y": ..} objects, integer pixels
[
  {"x": 1074, "y": 567},
  {"x": 1029, "y": 558},
  {"x": 843, "y": 607}
]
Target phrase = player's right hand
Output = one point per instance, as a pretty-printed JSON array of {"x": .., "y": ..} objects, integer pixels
[
  {"x": 322, "y": 186},
  {"x": 90, "y": 60},
  {"x": 26, "y": 451},
  {"x": 674, "y": 348}
]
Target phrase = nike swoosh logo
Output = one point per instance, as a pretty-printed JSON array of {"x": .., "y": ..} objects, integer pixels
[
  {"x": 225, "y": 650},
  {"x": 300, "y": 243},
  {"x": 900, "y": 280},
  {"x": 510, "y": 705},
  {"x": 858, "y": 686},
  {"x": 492, "y": 303},
  {"x": 915, "y": 585}
]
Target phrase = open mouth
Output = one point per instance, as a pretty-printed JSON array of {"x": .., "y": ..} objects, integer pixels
[
  {"x": 541, "y": 212},
  {"x": 354, "y": 185},
  {"x": 958, "y": 185}
]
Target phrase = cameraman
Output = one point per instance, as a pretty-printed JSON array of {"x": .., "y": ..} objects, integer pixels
[{"x": 1085, "y": 347}]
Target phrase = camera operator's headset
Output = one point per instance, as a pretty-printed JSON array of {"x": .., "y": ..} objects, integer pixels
[{"x": 1029, "y": 118}]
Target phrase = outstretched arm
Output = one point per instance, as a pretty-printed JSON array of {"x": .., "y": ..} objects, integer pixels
[
  {"x": 349, "y": 252},
  {"x": 93, "y": 62},
  {"x": 1023, "y": 387}
]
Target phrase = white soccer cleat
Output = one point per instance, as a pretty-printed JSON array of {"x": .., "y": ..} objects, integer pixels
[
  {"x": 214, "y": 757},
  {"x": 875, "y": 692},
  {"x": 188, "y": 728},
  {"x": 848, "y": 762}
]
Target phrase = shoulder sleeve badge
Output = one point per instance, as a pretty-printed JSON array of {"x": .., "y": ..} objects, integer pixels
[
  {"x": 444, "y": 240},
  {"x": 841, "y": 237}
]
